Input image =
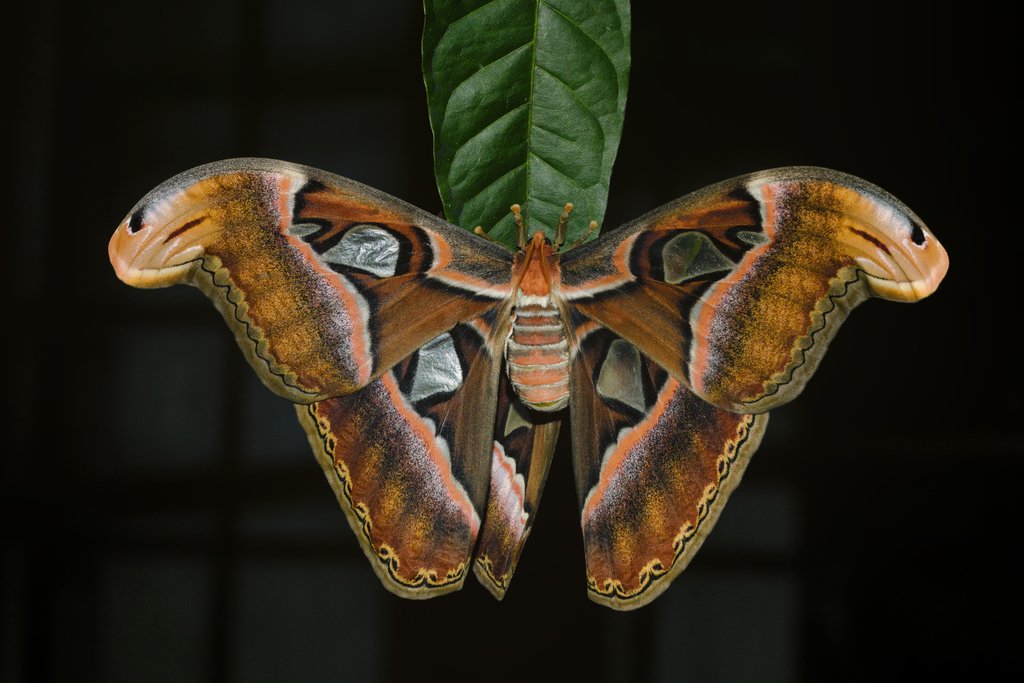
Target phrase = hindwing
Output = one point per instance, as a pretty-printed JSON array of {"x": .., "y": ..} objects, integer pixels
[
  {"x": 408, "y": 458},
  {"x": 654, "y": 467},
  {"x": 524, "y": 441}
]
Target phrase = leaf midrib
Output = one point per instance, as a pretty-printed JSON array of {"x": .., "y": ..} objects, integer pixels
[{"x": 533, "y": 105}]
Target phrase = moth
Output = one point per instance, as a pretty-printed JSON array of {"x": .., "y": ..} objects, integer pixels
[{"x": 432, "y": 369}]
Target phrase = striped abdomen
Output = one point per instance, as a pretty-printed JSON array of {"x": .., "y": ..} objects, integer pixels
[{"x": 537, "y": 356}]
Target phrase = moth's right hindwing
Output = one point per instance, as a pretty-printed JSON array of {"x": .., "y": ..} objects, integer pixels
[{"x": 654, "y": 465}]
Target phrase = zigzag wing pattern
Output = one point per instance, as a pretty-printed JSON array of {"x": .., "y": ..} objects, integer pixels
[
  {"x": 738, "y": 288},
  {"x": 326, "y": 283},
  {"x": 408, "y": 457},
  {"x": 655, "y": 474}
]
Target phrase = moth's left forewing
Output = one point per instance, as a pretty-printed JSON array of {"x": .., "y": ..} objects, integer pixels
[
  {"x": 654, "y": 466},
  {"x": 737, "y": 289},
  {"x": 408, "y": 458}
]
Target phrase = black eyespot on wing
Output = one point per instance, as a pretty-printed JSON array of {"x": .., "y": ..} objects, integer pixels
[
  {"x": 135, "y": 222},
  {"x": 917, "y": 234}
]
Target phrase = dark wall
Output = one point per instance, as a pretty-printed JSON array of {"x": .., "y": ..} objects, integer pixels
[{"x": 161, "y": 515}]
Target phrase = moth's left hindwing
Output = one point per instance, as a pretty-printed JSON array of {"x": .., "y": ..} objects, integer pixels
[
  {"x": 326, "y": 283},
  {"x": 437, "y": 463},
  {"x": 407, "y": 459}
]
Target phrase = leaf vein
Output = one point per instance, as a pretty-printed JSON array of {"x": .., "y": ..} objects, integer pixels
[
  {"x": 556, "y": 169},
  {"x": 579, "y": 29},
  {"x": 574, "y": 181},
  {"x": 553, "y": 132},
  {"x": 575, "y": 97},
  {"x": 529, "y": 120},
  {"x": 484, "y": 66},
  {"x": 490, "y": 125},
  {"x": 494, "y": 182},
  {"x": 471, "y": 12}
]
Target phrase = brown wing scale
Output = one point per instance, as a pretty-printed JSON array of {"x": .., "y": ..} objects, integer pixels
[
  {"x": 325, "y": 282},
  {"x": 655, "y": 474},
  {"x": 524, "y": 441},
  {"x": 407, "y": 457},
  {"x": 737, "y": 289},
  {"x": 389, "y": 326}
]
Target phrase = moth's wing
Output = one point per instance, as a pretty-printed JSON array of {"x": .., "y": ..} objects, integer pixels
[
  {"x": 524, "y": 441},
  {"x": 654, "y": 465},
  {"x": 408, "y": 457},
  {"x": 737, "y": 289},
  {"x": 326, "y": 283}
]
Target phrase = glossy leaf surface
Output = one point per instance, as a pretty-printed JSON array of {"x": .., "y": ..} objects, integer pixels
[{"x": 526, "y": 102}]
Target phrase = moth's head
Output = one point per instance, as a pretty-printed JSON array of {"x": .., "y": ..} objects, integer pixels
[
  {"x": 163, "y": 239},
  {"x": 561, "y": 231},
  {"x": 536, "y": 248}
]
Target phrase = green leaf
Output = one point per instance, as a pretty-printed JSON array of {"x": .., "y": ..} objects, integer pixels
[{"x": 526, "y": 102}]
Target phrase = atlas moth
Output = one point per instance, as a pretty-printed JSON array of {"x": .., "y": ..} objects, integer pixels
[{"x": 432, "y": 369}]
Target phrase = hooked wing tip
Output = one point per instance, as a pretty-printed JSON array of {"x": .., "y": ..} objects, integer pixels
[
  {"x": 913, "y": 269},
  {"x": 141, "y": 259}
]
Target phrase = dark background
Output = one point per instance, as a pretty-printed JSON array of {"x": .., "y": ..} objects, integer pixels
[{"x": 163, "y": 519}]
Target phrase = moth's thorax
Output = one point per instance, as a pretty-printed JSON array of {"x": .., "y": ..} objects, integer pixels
[{"x": 537, "y": 352}]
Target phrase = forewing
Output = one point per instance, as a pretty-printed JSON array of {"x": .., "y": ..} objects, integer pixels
[
  {"x": 409, "y": 458},
  {"x": 654, "y": 466},
  {"x": 326, "y": 283},
  {"x": 737, "y": 289}
]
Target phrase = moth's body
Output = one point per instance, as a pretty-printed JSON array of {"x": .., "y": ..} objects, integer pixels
[
  {"x": 662, "y": 343},
  {"x": 537, "y": 350}
]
